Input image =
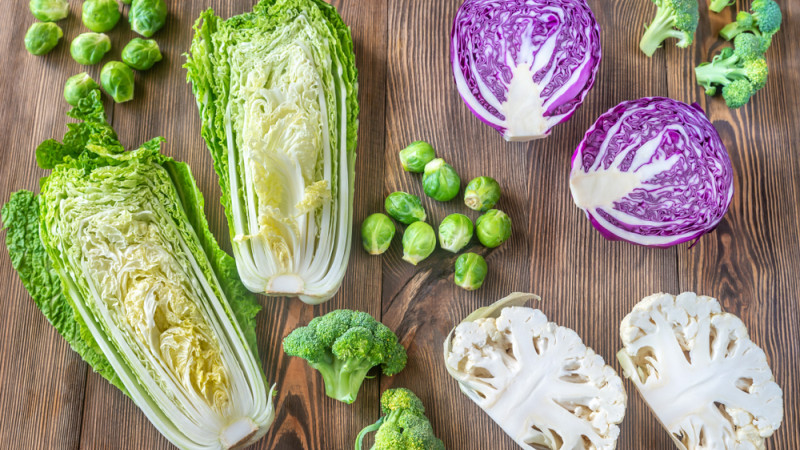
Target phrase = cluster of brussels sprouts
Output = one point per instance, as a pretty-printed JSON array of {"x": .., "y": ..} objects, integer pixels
[
  {"x": 440, "y": 182},
  {"x": 99, "y": 16}
]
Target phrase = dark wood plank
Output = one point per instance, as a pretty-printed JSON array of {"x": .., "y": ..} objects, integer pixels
[{"x": 750, "y": 262}]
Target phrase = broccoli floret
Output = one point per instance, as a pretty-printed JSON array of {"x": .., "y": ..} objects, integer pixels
[
  {"x": 674, "y": 19},
  {"x": 719, "y": 5},
  {"x": 765, "y": 19},
  {"x": 403, "y": 426},
  {"x": 343, "y": 346},
  {"x": 740, "y": 71},
  {"x": 737, "y": 93}
]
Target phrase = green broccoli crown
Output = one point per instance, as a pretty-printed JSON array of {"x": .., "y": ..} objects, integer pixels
[
  {"x": 745, "y": 19},
  {"x": 756, "y": 71},
  {"x": 767, "y": 15},
  {"x": 343, "y": 346},
  {"x": 747, "y": 47},
  {"x": 403, "y": 426},
  {"x": 674, "y": 19},
  {"x": 737, "y": 93},
  {"x": 765, "y": 19}
]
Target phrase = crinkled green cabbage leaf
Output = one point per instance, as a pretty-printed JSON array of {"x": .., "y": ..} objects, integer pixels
[
  {"x": 277, "y": 94},
  {"x": 117, "y": 254}
]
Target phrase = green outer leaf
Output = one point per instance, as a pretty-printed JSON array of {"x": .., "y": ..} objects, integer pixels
[{"x": 35, "y": 269}]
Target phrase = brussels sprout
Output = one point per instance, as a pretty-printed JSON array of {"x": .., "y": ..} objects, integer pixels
[
  {"x": 416, "y": 155},
  {"x": 77, "y": 87},
  {"x": 147, "y": 16},
  {"x": 471, "y": 270},
  {"x": 49, "y": 10},
  {"x": 419, "y": 241},
  {"x": 100, "y": 15},
  {"x": 493, "y": 228},
  {"x": 482, "y": 193},
  {"x": 141, "y": 54},
  {"x": 117, "y": 81},
  {"x": 455, "y": 232},
  {"x": 440, "y": 181},
  {"x": 405, "y": 208},
  {"x": 42, "y": 37},
  {"x": 377, "y": 232},
  {"x": 89, "y": 48}
]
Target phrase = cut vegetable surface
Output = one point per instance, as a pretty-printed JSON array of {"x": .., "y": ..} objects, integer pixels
[
  {"x": 117, "y": 254},
  {"x": 709, "y": 385},
  {"x": 652, "y": 172},
  {"x": 276, "y": 90},
  {"x": 536, "y": 379},
  {"x": 524, "y": 66}
]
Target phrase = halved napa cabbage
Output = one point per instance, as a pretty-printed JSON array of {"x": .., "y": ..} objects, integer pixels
[
  {"x": 117, "y": 254},
  {"x": 276, "y": 89}
]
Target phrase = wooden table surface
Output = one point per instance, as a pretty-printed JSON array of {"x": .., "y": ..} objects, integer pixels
[{"x": 49, "y": 398}]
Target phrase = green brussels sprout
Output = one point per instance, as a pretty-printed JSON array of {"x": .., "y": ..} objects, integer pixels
[
  {"x": 42, "y": 37},
  {"x": 147, "y": 16},
  {"x": 49, "y": 10},
  {"x": 455, "y": 232},
  {"x": 440, "y": 181},
  {"x": 141, "y": 54},
  {"x": 493, "y": 228},
  {"x": 482, "y": 193},
  {"x": 117, "y": 80},
  {"x": 416, "y": 155},
  {"x": 419, "y": 241},
  {"x": 89, "y": 48},
  {"x": 377, "y": 232},
  {"x": 471, "y": 270},
  {"x": 405, "y": 208},
  {"x": 77, "y": 87},
  {"x": 100, "y": 15}
]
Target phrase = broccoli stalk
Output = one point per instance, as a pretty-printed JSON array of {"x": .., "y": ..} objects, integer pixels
[
  {"x": 763, "y": 20},
  {"x": 741, "y": 71},
  {"x": 719, "y": 5},
  {"x": 674, "y": 19},
  {"x": 403, "y": 426},
  {"x": 343, "y": 346}
]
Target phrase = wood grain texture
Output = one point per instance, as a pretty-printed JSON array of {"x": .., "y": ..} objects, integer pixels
[{"x": 50, "y": 399}]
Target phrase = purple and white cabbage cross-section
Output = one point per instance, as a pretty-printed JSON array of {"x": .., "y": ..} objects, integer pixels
[
  {"x": 652, "y": 172},
  {"x": 524, "y": 66}
]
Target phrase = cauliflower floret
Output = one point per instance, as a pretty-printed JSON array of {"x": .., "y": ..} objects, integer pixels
[
  {"x": 536, "y": 379},
  {"x": 697, "y": 369}
]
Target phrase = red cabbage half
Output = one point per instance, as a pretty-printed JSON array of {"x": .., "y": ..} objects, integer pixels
[
  {"x": 652, "y": 172},
  {"x": 523, "y": 66}
]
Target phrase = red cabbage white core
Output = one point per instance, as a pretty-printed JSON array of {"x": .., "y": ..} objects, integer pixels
[
  {"x": 523, "y": 66},
  {"x": 652, "y": 172}
]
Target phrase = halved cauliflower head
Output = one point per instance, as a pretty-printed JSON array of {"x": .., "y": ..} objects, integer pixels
[
  {"x": 536, "y": 379},
  {"x": 702, "y": 376}
]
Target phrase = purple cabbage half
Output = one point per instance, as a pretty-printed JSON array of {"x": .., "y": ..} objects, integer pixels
[
  {"x": 652, "y": 172},
  {"x": 523, "y": 66}
]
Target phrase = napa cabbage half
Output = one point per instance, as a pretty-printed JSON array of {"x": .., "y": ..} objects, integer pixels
[
  {"x": 276, "y": 89},
  {"x": 117, "y": 254}
]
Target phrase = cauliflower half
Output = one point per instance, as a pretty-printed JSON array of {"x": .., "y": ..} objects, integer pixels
[
  {"x": 535, "y": 379},
  {"x": 701, "y": 375}
]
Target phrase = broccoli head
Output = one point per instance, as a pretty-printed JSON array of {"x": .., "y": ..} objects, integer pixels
[
  {"x": 403, "y": 426},
  {"x": 763, "y": 20},
  {"x": 740, "y": 71},
  {"x": 674, "y": 19},
  {"x": 343, "y": 346}
]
